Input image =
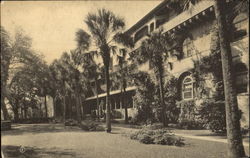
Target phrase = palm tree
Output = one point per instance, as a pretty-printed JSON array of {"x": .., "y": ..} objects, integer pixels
[
  {"x": 106, "y": 30},
  {"x": 78, "y": 79},
  {"x": 235, "y": 146},
  {"x": 62, "y": 78},
  {"x": 122, "y": 76},
  {"x": 92, "y": 72},
  {"x": 91, "y": 69},
  {"x": 153, "y": 49},
  {"x": 234, "y": 137},
  {"x": 59, "y": 83}
]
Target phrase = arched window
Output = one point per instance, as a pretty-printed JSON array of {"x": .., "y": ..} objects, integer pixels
[
  {"x": 187, "y": 47},
  {"x": 187, "y": 88}
]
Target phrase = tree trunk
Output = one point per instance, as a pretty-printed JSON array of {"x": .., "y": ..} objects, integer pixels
[
  {"x": 235, "y": 146},
  {"x": 22, "y": 115},
  {"x": 125, "y": 105},
  {"x": 45, "y": 106},
  {"x": 41, "y": 111},
  {"x": 97, "y": 100},
  {"x": 3, "y": 105},
  {"x": 64, "y": 104},
  {"x": 78, "y": 109},
  {"x": 81, "y": 107},
  {"x": 54, "y": 107},
  {"x": 108, "y": 110},
  {"x": 25, "y": 112},
  {"x": 164, "y": 118},
  {"x": 16, "y": 116}
]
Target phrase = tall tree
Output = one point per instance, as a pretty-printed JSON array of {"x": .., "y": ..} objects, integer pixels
[
  {"x": 234, "y": 137},
  {"x": 91, "y": 68},
  {"x": 92, "y": 72},
  {"x": 78, "y": 82},
  {"x": 235, "y": 146},
  {"x": 106, "y": 30},
  {"x": 14, "y": 52},
  {"x": 6, "y": 56},
  {"x": 123, "y": 75},
  {"x": 154, "y": 49}
]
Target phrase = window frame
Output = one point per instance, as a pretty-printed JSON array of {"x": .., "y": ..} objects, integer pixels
[
  {"x": 187, "y": 83},
  {"x": 187, "y": 47}
]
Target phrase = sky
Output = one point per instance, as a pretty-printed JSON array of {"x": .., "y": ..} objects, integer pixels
[{"x": 52, "y": 24}]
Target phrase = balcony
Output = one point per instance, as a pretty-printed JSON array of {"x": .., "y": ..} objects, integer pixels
[{"x": 185, "y": 17}]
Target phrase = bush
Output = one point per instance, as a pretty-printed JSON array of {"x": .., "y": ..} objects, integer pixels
[
  {"x": 189, "y": 115},
  {"x": 160, "y": 136},
  {"x": 90, "y": 126},
  {"x": 168, "y": 139},
  {"x": 70, "y": 122},
  {"x": 154, "y": 126},
  {"x": 188, "y": 124},
  {"x": 214, "y": 114},
  {"x": 34, "y": 120},
  {"x": 144, "y": 97}
]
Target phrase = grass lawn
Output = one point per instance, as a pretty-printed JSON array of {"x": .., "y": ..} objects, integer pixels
[{"x": 50, "y": 140}]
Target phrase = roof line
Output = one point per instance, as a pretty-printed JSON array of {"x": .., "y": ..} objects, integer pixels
[{"x": 141, "y": 21}]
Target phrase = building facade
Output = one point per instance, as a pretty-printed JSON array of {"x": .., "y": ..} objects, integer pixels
[{"x": 196, "y": 27}]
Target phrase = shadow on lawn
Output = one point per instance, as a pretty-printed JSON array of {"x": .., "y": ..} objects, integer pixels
[
  {"x": 32, "y": 152},
  {"x": 20, "y": 129}
]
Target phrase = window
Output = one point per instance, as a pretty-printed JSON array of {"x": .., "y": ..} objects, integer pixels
[
  {"x": 151, "y": 27},
  {"x": 241, "y": 79},
  {"x": 188, "y": 47},
  {"x": 240, "y": 25},
  {"x": 141, "y": 33},
  {"x": 187, "y": 88}
]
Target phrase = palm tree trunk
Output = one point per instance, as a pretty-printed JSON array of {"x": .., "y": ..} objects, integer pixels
[
  {"x": 97, "y": 100},
  {"x": 45, "y": 106},
  {"x": 235, "y": 146},
  {"x": 164, "y": 118},
  {"x": 81, "y": 107},
  {"x": 125, "y": 105},
  {"x": 78, "y": 110},
  {"x": 108, "y": 110}
]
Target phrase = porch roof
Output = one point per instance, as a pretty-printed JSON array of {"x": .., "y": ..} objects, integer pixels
[{"x": 111, "y": 93}]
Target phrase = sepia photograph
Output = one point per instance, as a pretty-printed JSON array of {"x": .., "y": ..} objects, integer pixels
[{"x": 125, "y": 79}]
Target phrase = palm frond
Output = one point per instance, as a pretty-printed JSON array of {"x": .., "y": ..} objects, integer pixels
[{"x": 83, "y": 39}]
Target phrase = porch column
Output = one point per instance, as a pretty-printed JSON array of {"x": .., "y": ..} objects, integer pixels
[{"x": 115, "y": 104}]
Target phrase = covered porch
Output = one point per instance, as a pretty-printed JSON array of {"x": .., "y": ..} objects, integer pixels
[{"x": 91, "y": 104}]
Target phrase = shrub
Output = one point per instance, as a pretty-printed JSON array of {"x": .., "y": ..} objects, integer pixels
[
  {"x": 214, "y": 115},
  {"x": 145, "y": 138},
  {"x": 190, "y": 124},
  {"x": 144, "y": 97},
  {"x": 70, "y": 122},
  {"x": 154, "y": 126},
  {"x": 34, "y": 120},
  {"x": 168, "y": 139},
  {"x": 159, "y": 136},
  {"x": 90, "y": 126},
  {"x": 189, "y": 115}
]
